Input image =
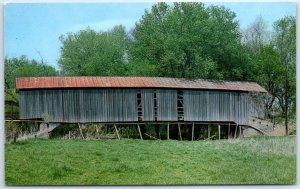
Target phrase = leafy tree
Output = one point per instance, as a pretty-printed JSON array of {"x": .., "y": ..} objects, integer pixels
[
  {"x": 188, "y": 40},
  {"x": 268, "y": 71},
  {"x": 22, "y": 67},
  {"x": 94, "y": 53},
  {"x": 285, "y": 43}
]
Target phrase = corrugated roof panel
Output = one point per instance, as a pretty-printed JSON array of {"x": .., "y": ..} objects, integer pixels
[{"x": 133, "y": 82}]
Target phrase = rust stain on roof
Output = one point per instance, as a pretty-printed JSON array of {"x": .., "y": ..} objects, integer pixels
[{"x": 133, "y": 82}]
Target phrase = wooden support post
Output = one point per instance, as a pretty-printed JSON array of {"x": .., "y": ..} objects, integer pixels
[
  {"x": 193, "y": 127},
  {"x": 240, "y": 134},
  {"x": 157, "y": 128},
  {"x": 229, "y": 131},
  {"x": 97, "y": 130},
  {"x": 117, "y": 131},
  {"x": 79, "y": 125},
  {"x": 179, "y": 131},
  {"x": 219, "y": 129},
  {"x": 168, "y": 131},
  {"x": 236, "y": 128},
  {"x": 140, "y": 131},
  {"x": 208, "y": 131},
  {"x": 69, "y": 135}
]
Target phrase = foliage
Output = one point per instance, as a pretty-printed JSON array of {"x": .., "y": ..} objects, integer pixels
[
  {"x": 94, "y": 53},
  {"x": 127, "y": 162},
  {"x": 187, "y": 40},
  {"x": 22, "y": 67},
  {"x": 11, "y": 130},
  {"x": 269, "y": 72},
  {"x": 285, "y": 43}
]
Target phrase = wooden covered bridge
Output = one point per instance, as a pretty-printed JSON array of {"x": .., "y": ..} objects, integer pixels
[{"x": 141, "y": 100}]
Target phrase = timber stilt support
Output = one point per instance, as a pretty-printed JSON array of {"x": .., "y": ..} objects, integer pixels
[
  {"x": 236, "y": 128},
  {"x": 179, "y": 132},
  {"x": 193, "y": 127},
  {"x": 168, "y": 131},
  {"x": 140, "y": 132},
  {"x": 79, "y": 125},
  {"x": 229, "y": 131},
  {"x": 208, "y": 131},
  {"x": 117, "y": 131},
  {"x": 219, "y": 131}
]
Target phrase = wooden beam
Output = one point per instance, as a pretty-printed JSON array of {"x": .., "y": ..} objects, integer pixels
[
  {"x": 97, "y": 130},
  {"x": 210, "y": 137},
  {"x": 140, "y": 132},
  {"x": 236, "y": 128},
  {"x": 240, "y": 134},
  {"x": 179, "y": 132},
  {"x": 193, "y": 127},
  {"x": 219, "y": 129},
  {"x": 229, "y": 130},
  {"x": 208, "y": 131},
  {"x": 151, "y": 136},
  {"x": 168, "y": 131},
  {"x": 79, "y": 125},
  {"x": 117, "y": 131}
]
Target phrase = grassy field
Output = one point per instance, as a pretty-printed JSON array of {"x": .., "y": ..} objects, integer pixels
[{"x": 264, "y": 160}]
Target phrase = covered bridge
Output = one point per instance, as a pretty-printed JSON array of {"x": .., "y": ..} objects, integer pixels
[{"x": 135, "y": 100}]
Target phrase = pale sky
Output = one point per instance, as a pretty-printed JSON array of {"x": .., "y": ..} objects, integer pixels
[{"x": 30, "y": 27}]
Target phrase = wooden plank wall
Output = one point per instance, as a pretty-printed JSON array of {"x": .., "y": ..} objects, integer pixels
[
  {"x": 93, "y": 105},
  {"x": 147, "y": 105},
  {"x": 215, "y": 106},
  {"x": 120, "y": 105},
  {"x": 167, "y": 105},
  {"x": 256, "y": 107}
]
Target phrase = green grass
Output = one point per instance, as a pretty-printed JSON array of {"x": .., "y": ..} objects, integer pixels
[{"x": 265, "y": 160}]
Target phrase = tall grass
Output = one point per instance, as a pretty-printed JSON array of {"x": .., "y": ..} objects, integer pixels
[{"x": 263, "y": 160}]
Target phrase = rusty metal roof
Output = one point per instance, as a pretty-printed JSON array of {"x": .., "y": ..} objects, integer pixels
[{"x": 133, "y": 82}]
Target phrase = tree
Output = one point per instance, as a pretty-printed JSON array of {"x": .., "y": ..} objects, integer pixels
[
  {"x": 22, "y": 67},
  {"x": 265, "y": 66},
  {"x": 256, "y": 35},
  {"x": 285, "y": 42},
  {"x": 188, "y": 40},
  {"x": 94, "y": 53},
  {"x": 268, "y": 71}
]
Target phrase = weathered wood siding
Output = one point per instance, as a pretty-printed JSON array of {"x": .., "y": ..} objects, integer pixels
[
  {"x": 256, "y": 106},
  {"x": 166, "y": 105},
  {"x": 147, "y": 105},
  {"x": 120, "y": 105},
  {"x": 219, "y": 106},
  {"x": 79, "y": 105}
]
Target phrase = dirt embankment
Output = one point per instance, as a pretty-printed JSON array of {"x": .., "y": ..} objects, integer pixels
[{"x": 279, "y": 129}]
